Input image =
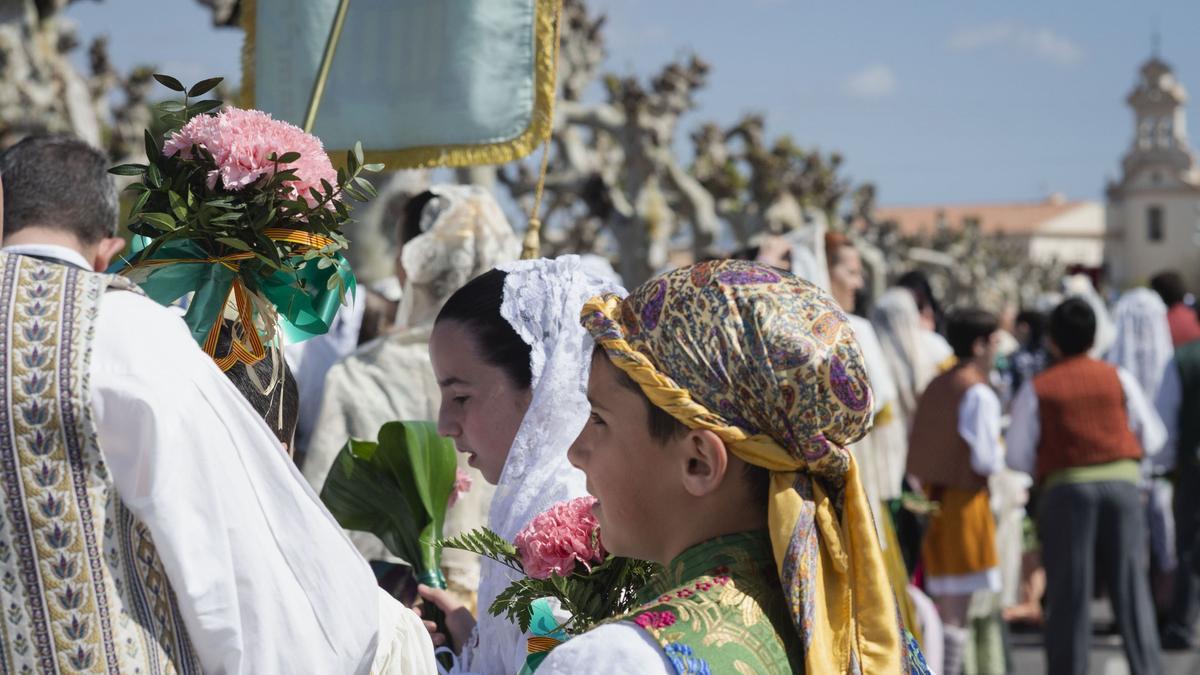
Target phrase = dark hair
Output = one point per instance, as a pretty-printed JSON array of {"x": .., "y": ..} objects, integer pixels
[
  {"x": 663, "y": 428},
  {"x": 918, "y": 284},
  {"x": 58, "y": 182},
  {"x": 1169, "y": 286},
  {"x": 966, "y": 326},
  {"x": 285, "y": 394},
  {"x": 1037, "y": 326},
  {"x": 834, "y": 243},
  {"x": 410, "y": 219},
  {"x": 1073, "y": 326},
  {"x": 477, "y": 307}
]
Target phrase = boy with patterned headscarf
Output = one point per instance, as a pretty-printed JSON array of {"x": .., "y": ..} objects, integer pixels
[{"x": 723, "y": 398}]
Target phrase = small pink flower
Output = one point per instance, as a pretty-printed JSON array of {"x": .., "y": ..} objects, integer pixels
[
  {"x": 462, "y": 485},
  {"x": 554, "y": 541},
  {"x": 241, "y": 141},
  {"x": 685, "y": 593},
  {"x": 655, "y": 619},
  {"x": 665, "y": 598},
  {"x": 703, "y": 586},
  {"x": 721, "y": 580}
]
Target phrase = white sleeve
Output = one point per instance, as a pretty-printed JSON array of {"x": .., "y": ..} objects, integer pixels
[
  {"x": 883, "y": 385},
  {"x": 1167, "y": 403},
  {"x": 979, "y": 426},
  {"x": 611, "y": 648},
  {"x": 405, "y": 647},
  {"x": 265, "y": 579},
  {"x": 1024, "y": 431},
  {"x": 1143, "y": 418}
]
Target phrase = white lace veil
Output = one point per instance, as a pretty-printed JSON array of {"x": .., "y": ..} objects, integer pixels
[
  {"x": 897, "y": 322},
  {"x": 1142, "y": 344},
  {"x": 542, "y": 301},
  {"x": 463, "y": 234}
]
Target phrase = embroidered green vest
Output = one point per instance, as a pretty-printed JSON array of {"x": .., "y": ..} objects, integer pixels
[
  {"x": 81, "y": 585},
  {"x": 718, "y": 608}
]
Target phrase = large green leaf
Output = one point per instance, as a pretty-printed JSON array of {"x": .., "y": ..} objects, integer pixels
[{"x": 397, "y": 488}]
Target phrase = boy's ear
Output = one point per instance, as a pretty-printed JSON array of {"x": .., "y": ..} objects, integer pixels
[{"x": 706, "y": 461}]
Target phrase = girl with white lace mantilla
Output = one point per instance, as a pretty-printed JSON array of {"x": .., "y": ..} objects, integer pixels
[{"x": 512, "y": 363}]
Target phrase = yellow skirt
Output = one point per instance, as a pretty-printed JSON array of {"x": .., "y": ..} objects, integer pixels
[{"x": 962, "y": 535}]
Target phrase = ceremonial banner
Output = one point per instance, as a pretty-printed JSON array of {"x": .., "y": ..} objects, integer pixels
[{"x": 420, "y": 82}]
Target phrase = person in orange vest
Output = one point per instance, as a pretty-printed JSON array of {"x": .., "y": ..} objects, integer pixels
[
  {"x": 1080, "y": 429},
  {"x": 955, "y": 444}
]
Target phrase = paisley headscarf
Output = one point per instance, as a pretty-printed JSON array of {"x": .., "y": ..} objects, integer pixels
[{"x": 768, "y": 362}]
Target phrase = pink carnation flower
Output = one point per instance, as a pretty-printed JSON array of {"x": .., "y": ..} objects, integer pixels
[
  {"x": 554, "y": 541},
  {"x": 462, "y": 485},
  {"x": 240, "y": 142}
]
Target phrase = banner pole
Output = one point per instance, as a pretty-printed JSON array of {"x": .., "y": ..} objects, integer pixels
[{"x": 335, "y": 34}]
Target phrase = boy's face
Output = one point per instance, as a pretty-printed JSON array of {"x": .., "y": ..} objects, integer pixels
[
  {"x": 988, "y": 348},
  {"x": 628, "y": 471}
]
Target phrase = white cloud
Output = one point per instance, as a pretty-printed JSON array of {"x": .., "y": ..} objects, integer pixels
[
  {"x": 1038, "y": 42},
  {"x": 871, "y": 83}
]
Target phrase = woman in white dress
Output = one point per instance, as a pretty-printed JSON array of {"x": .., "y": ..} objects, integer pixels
[
  {"x": 512, "y": 362},
  {"x": 1142, "y": 346}
]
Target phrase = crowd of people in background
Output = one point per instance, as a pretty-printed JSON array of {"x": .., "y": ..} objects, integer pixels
[
  {"x": 1048, "y": 459},
  {"x": 1025, "y": 463}
]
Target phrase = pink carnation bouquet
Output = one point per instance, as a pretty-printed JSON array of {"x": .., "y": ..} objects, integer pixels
[
  {"x": 245, "y": 213},
  {"x": 561, "y": 538},
  {"x": 561, "y": 557}
]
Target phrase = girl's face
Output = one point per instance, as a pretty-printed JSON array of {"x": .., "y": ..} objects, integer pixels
[
  {"x": 481, "y": 406},
  {"x": 846, "y": 277}
]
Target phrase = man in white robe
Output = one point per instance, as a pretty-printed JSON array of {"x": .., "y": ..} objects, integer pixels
[{"x": 175, "y": 461}]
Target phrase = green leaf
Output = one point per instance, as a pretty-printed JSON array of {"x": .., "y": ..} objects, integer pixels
[
  {"x": 128, "y": 169},
  {"x": 171, "y": 106},
  {"x": 373, "y": 168},
  {"x": 153, "y": 151},
  {"x": 169, "y": 82},
  {"x": 178, "y": 207},
  {"x": 397, "y": 488},
  {"x": 234, "y": 243},
  {"x": 358, "y": 152},
  {"x": 161, "y": 221},
  {"x": 154, "y": 176},
  {"x": 267, "y": 261},
  {"x": 202, "y": 107},
  {"x": 229, "y": 217},
  {"x": 204, "y": 86},
  {"x": 139, "y": 204},
  {"x": 285, "y": 158},
  {"x": 327, "y": 188},
  {"x": 365, "y": 185},
  {"x": 334, "y": 281}
]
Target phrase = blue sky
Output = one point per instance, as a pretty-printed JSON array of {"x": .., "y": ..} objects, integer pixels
[{"x": 933, "y": 100}]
